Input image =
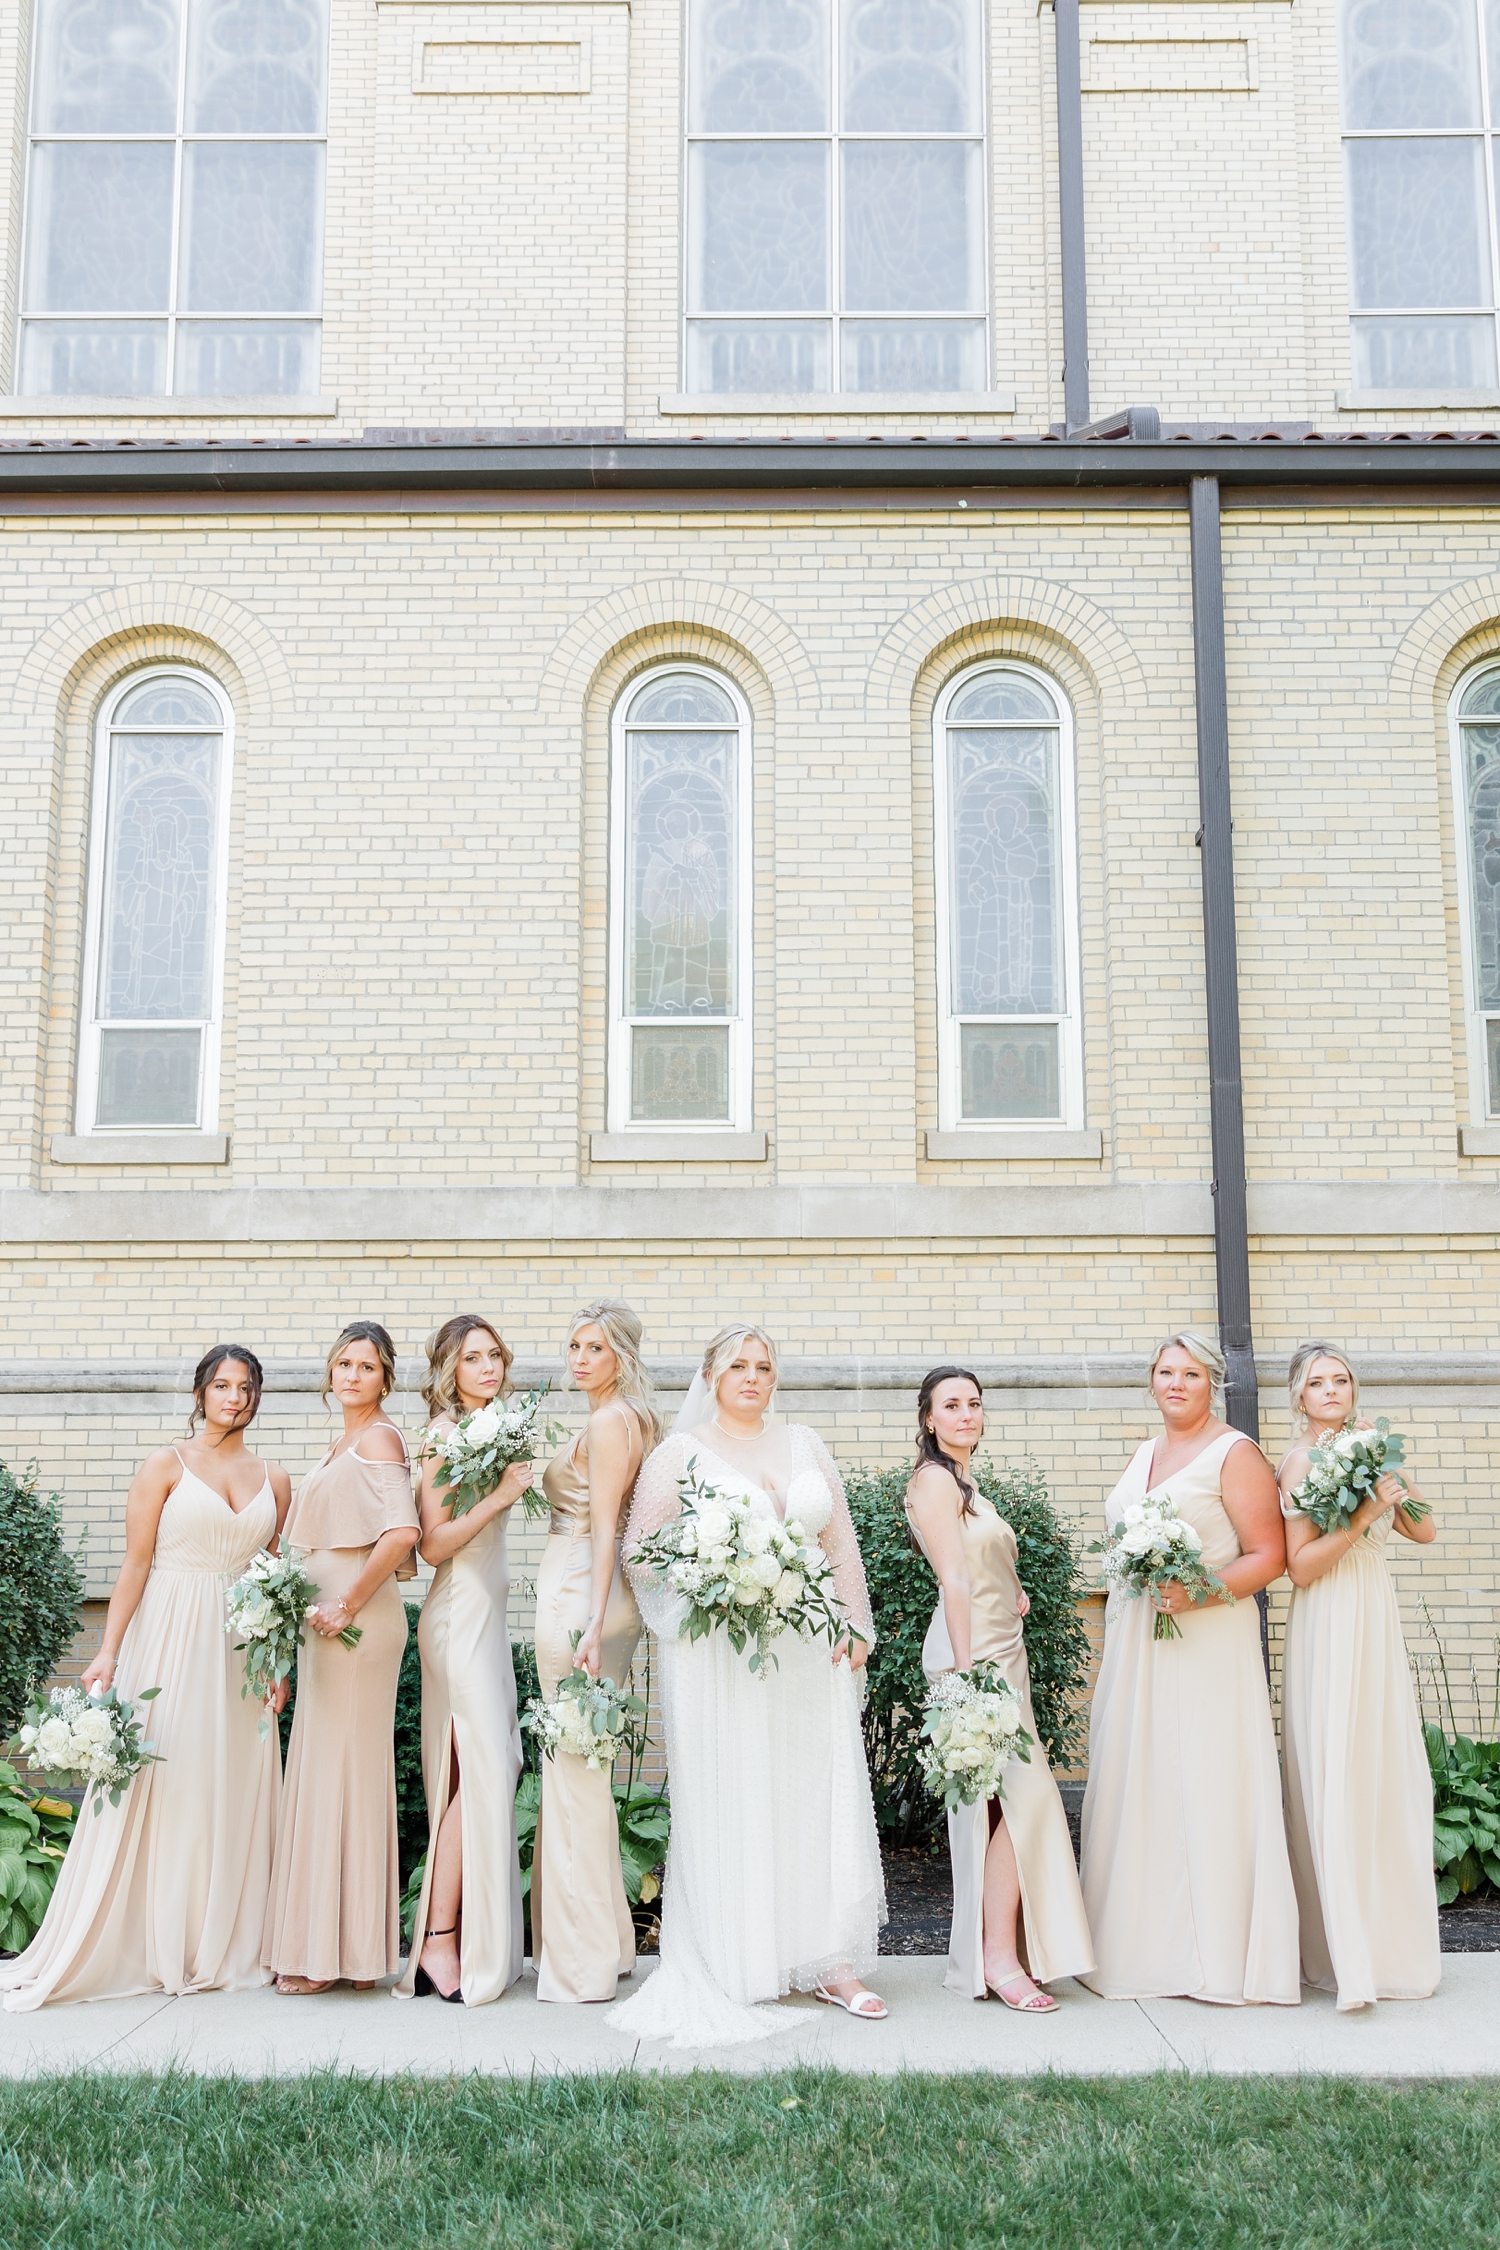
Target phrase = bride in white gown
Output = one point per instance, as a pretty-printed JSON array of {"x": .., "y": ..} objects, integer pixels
[{"x": 773, "y": 1872}]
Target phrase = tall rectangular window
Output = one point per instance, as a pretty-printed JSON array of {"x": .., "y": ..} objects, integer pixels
[
  {"x": 680, "y": 884},
  {"x": 174, "y": 205},
  {"x": 1421, "y": 100},
  {"x": 154, "y": 966},
  {"x": 836, "y": 196},
  {"x": 1009, "y": 1033},
  {"x": 1476, "y": 754}
]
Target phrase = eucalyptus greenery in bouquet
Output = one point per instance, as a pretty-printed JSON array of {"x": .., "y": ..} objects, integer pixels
[
  {"x": 92, "y": 1738},
  {"x": 971, "y": 1729},
  {"x": 587, "y": 1718},
  {"x": 1342, "y": 1470},
  {"x": 473, "y": 1456},
  {"x": 267, "y": 1605},
  {"x": 1150, "y": 1546}
]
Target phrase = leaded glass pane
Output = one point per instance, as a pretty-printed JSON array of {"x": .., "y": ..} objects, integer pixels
[
  {"x": 911, "y": 66},
  {"x": 758, "y": 241},
  {"x": 106, "y": 66},
  {"x": 998, "y": 699},
  {"x": 247, "y": 358},
  {"x": 169, "y": 702},
  {"x": 1417, "y": 227},
  {"x": 1481, "y": 695},
  {"x": 680, "y": 873},
  {"x": 148, "y": 1077},
  {"x": 1009, "y": 1070},
  {"x": 679, "y": 1074},
  {"x": 251, "y": 223},
  {"x": 256, "y": 66},
  {"x": 682, "y": 699},
  {"x": 99, "y": 226},
  {"x": 1409, "y": 62},
  {"x": 758, "y": 355},
  {"x": 1003, "y": 872},
  {"x": 1431, "y": 352},
  {"x": 1481, "y": 751},
  {"x": 912, "y": 355},
  {"x": 157, "y": 953},
  {"x": 759, "y": 66},
  {"x": 913, "y": 227},
  {"x": 98, "y": 359}
]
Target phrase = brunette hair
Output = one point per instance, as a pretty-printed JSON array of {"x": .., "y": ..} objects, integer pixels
[
  {"x": 928, "y": 1449},
  {"x": 363, "y": 1332},
  {"x": 1301, "y": 1368},
  {"x": 445, "y": 1348},
  {"x": 205, "y": 1371},
  {"x": 622, "y": 1326}
]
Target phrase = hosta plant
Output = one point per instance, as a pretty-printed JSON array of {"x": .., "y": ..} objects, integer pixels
[{"x": 34, "y": 1833}]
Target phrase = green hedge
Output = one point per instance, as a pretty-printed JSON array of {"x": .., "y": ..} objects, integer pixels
[
  {"x": 41, "y": 1587},
  {"x": 903, "y": 1594}
]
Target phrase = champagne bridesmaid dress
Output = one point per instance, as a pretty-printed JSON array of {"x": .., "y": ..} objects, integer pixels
[
  {"x": 469, "y": 1698},
  {"x": 335, "y": 1885},
  {"x": 166, "y": 1891},
  {"x": 1185, "y": 1876},
  {"x": 582, "y": 1937},
  {"x": 1358, "y": 1789},
  {"x": 1053, "y": 1932}
]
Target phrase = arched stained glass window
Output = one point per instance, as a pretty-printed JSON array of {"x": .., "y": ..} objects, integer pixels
[
  {"x": 680, "y": 1052},
  {"x": 1477, "y": 749},
  {"x": 155, "y": 945},
  {"x": 1009, "y": 1006}
]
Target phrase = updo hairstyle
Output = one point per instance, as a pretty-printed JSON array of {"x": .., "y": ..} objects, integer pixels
[
  {"x": 364, "y": 1332},
  {"x": 1205, "y": 1352},
  {"x": 1301, "y": 1368},
  {"x": 205, "y": 1371}
]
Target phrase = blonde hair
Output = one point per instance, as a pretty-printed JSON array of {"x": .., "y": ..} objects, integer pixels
[
  {"x": 720, "y": 1350},
  {"x": 364, "y": 1332},
  {"x": 1301, "y": 1368},
  {"x": 445, "y": 1348},
  {"x": 1205, "y": 1352},
  {"x": 622, "y": 1328}
]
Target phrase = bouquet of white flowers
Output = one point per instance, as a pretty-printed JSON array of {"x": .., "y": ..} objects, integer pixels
[
  {"x": 971, "y": 1729},
  {"x": 94, "y": 1738},
  {"x": 1341, "y": 1472},
  {"x": 589, "y": 1719},
  {"x": 476, "y": 1453},
  {"x": 1151, "y": 1545},
  {"x": 267, "y": 1605},
  {"x": 740, "y": 1570}
]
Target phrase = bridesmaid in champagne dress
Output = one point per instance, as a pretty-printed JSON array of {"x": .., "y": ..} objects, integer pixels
[
  {"x": 1185, "y": 1874},
  {"x": 166, "y": 1892},
  {"x": 335, "y": 1884},
  {"x": 582, "y": 1937},
  {"x": 470, "y": 1945},
  {"x": 1358, "y": 1788},
  {"x": 1017, "y": 1908}
]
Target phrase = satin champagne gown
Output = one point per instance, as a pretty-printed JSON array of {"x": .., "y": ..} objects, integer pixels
[
  {"x": 1186, "y": 1881},
  {"x": 1052, "y": 1929},
  {"x": 469, "y": 1698},
  {"x": 1358, "y": 1789},
  {"x": 336, "y": 1885},
  {"x": 166, "y": 1891},
  {"x": 582, "y": 1937}
]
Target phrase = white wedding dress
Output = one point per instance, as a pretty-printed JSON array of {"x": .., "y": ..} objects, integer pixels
[{"x": 773, "y": 1871}]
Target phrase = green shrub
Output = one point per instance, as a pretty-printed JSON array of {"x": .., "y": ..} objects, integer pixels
[
  {"x": 1465, "y": 1813},
  {"x": 41, "y": 1587},
  {"x": 34, "y": 1836},
  {"x": 903, "y": 1595}
]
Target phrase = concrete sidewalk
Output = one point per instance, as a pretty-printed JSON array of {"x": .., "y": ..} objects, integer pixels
[{"x": 1456, "y": 2034}]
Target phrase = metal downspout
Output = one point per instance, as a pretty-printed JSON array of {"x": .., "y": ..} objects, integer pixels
[{"x": 1075, "y": 300}]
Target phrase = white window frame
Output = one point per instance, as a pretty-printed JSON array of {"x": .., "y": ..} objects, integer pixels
[
  {"x": 833, "y": 138},
  {"x": 91, "y": 1023},
  {"x": 741, "y": 1023},
  {"x": 1475, "y": 1017},
  {"x": 1069, "y": 1018},
  {"x": 173, "y": 319}
]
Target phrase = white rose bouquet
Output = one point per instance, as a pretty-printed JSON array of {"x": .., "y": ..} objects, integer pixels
[
  {"x": 1151, "y": 1545},
  {"x": 266, "y": 1606},
  {"x": 1342, "y": 1470},
  {"x": 476, "y": 1453},
  {"x": 94, "y": 1739},
  {"x": 587, "y": 1718},
  {"x": 971, "y": 1729},
  {"x": 742, "y": 1572}
]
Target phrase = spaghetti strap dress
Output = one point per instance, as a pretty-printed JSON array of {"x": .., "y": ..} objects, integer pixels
[
  {"x": 335, "y": 1886},
  {"x": 166, "y": 1891}
]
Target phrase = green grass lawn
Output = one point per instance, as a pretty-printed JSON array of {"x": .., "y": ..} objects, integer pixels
[{"x": 796, "y": 2159}]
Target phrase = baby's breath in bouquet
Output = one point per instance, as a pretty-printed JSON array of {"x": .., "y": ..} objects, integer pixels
[
  {"x": 971, "y": 1729},
  {"x": 587, "y": 1718},
  {"x": 474, "y": 1455},
  {"x": 741, "y": 1572},
  {"x": 1342, "y": 1470},
  {"x": 266, "y": 1606},
  {"x": 93, "y": 1738},
  {"x": 1150, "y": 1546}
]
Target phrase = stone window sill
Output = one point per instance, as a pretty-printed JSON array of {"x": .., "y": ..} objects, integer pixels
[
  {"x": 718, "y": 406},
  {"x": 1479, "y": 1140},
  {"x": 1451, "y": 399},
  {"x": 1003, "y": 1147},
  {"x": 140, "y": 1148},
  {"x": 78, "y": 407},
  {"x": 677, "y": 1148}
]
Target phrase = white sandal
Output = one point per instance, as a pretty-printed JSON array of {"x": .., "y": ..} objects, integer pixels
[
  {"x": 875, "y": 2012},
  {"x": 1036, "y": 2003}
]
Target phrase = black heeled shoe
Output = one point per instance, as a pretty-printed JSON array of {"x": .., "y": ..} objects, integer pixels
[{"x": 422, "y": 1983}]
